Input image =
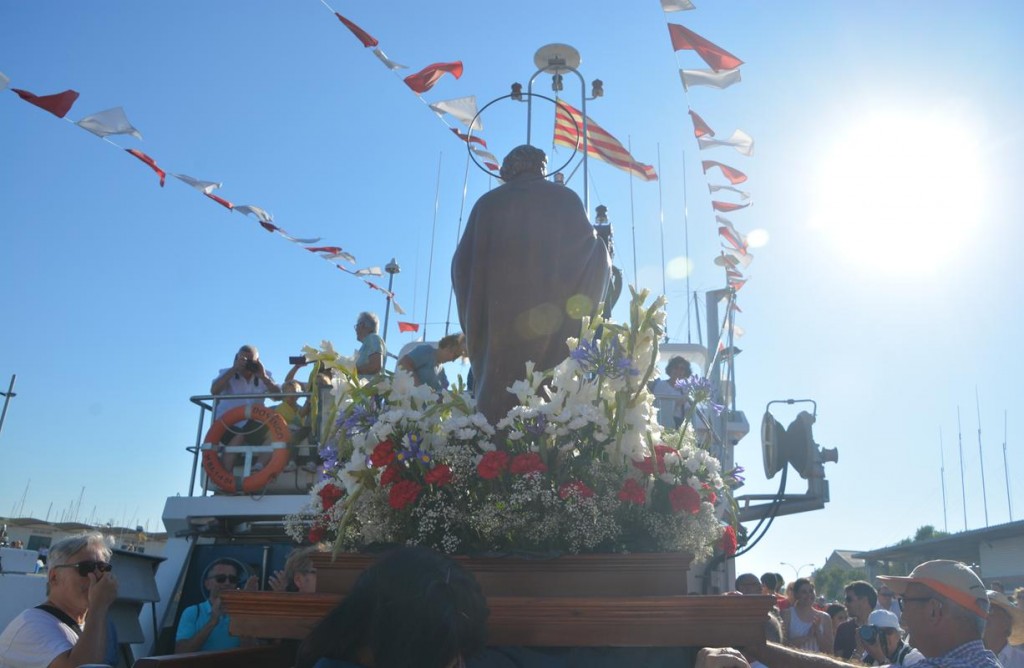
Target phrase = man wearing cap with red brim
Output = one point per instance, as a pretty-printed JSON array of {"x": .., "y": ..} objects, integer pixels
[
  {"x": 945, "y": 606},
  {"x": 1005, "y": 628}
]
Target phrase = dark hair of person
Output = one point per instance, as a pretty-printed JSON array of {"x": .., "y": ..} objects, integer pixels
[
  {"x": 414, "y": 608},
  {"x": 834, "y": 609},
  {"x": 800, "y": 582},
  {"x": 458, "y": 339},
  {"x": 863, "y": 590},
  {"x": 769, "y": 581},
  {"x": 224, "y": 561},
  {"x": 780, "y": 582}
]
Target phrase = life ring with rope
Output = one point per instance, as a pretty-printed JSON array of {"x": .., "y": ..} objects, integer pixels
[{"x": 226, "y": 480}]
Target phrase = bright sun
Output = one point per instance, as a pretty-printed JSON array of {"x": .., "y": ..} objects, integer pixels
[{"x": 899, "y": 193}]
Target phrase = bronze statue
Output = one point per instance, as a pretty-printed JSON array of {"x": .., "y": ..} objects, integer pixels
[{"x": 527, "y": 268}]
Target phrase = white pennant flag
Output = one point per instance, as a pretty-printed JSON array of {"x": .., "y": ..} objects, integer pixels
[
  {"x": 720, "y": 80},
  {"x": 742, "y": 193},
  {"x": 109, "y": 122},
  {"x": 462, "y": 108},
  {"x": 205, "y": 187},
  {"x": 490, "y": 161},
  {"x": 260, "y": 214},
  {"x": 739, "y": 140},
  {"x": 676, "y": 5},
  {"x": 4, "y": 81},
  {"x": 390, "y": 64},
  {"x": 369, "y": 271}
]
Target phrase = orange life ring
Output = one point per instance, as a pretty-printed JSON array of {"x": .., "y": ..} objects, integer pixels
[{"x": 226, "y": 480}]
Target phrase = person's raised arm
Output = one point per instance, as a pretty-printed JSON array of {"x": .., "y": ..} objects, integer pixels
[
  {"x": 92, "y": 644},
  {"x": 199, "y": 635},
  {"x": 261, "y": 373}
]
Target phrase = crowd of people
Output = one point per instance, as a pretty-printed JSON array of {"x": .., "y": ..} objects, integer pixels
[
  {"x": 247, "y": 382},
  {"x": 939, "y": 615}
]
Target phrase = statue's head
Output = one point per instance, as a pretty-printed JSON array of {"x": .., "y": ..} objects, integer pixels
[{"x": 524, "y": 159}]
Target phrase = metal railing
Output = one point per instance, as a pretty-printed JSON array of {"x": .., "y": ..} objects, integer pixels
[{"x": 211, "y": 402}]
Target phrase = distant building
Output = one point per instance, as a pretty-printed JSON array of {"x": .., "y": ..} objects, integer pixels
[
  {"x": 995, "y": 553},
  {"x": 843, "y": 560}
]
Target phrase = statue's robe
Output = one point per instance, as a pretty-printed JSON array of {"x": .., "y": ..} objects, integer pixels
[{"x": 527, "y": 268}]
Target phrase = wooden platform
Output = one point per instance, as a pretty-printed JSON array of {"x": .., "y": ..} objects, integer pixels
[{"x": 652, "y": 621}]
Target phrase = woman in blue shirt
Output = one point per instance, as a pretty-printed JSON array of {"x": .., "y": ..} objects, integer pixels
[{"x": 424, "y": 361}]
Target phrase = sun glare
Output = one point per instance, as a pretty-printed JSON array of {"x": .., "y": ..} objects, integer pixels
[{"x": 898, "y": 194}]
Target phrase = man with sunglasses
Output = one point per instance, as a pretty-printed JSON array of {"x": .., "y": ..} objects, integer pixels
[
  {"x": 860, "y": 601},
  {"x": 203, "y": 627},
  {"x": 71, "y": 628}
]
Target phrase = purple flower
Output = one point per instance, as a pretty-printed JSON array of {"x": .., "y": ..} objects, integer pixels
[
  {"x": 699, "y": 392},
  {"x": 412, "y": 450},
  {"x": 609, "y": 361}
]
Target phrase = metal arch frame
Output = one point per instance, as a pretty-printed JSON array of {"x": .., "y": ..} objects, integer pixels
[
  {"x": 469, "y": 135},
  {"x": 583, "y": 112}
]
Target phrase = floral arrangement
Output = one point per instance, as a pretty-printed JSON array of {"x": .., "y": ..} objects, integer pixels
[{"x": 579, "y": 465}]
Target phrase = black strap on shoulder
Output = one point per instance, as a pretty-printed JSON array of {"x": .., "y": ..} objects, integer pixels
[{"x": 62, "y": 616}]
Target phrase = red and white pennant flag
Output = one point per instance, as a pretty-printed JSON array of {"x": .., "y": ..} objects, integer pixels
[{"x": 600, "y": 144}]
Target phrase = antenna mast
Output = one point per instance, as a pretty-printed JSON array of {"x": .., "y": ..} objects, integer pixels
[{"x": 960, "y": 441}]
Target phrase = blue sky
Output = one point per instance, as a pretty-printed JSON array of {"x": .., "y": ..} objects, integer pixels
[{"x": 888, "y": 146}]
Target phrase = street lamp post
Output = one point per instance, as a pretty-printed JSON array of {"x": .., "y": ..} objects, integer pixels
[
  {"x": 796, "y": 570},
  {"x": 392, "y": 268}
]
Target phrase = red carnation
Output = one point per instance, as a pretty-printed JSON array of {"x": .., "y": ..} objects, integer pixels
[
  {"x": 492, "y": 464},
  {"x": 712, "y": 497},
  {"x": 685, "y": 498},
  {"x": 529, "y": 462},
  {"x": 329, "y": 495},
  {"x": 578, "y": 486},
  {"x": 316, "y": 534},
  {"x": 383, "y": 454},
  {"x": 647, "y": 465},
  {"x": 439, "y": 476},
  {"x": 403, "y": 493},
  {"x": 729, "y": 541},
  {"x": 633, "y": 492},
  {"x": 390, "y": 475}
]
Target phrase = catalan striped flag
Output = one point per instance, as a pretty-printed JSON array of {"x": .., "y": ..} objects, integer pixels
[{"x": 600, "y": 144}]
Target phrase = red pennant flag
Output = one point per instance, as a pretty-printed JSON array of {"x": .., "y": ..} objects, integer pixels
[
  {"x": 149, "y": 161},
  {"x": 715, "y": 56},
  {"x": 360, "y": 34},
  {"x": 269, "y": 227},
  {"x": 408, "y": 326},
  {"x": 700, "y": 128},
  {"x": 600, "y": 144},
  {"x": 220, "y": 200},
  {"x": 58, "y": 104},
  {"x": 725, "y": 207},
  {"x": 425, "y": 79},
  {"x": 466, "y": 138},
  {"x": 734, "y": 175}
]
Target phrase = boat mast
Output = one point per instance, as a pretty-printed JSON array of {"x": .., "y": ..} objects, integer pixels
[
  {"x": 1006, "y": 469},
  {"x": 433, "y": 231},
  {"x": 661, "y": 229},
  {"x": 632, "y": 214},
  {"x": 686, "y": 251},
  {"x": 942, "y": 476},
  {"x": 981, "y": 456}
]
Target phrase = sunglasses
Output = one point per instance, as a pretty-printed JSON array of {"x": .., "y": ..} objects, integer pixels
[
  {"x": 221, "y": 578},
  {"x": 86, "y": 567}
]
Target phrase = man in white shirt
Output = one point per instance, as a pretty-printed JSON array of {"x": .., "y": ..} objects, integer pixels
[
  {"x": 246, "y": 375},
  {"x": 56, "y": 634}
]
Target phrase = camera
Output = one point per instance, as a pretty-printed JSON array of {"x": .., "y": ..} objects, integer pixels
[
  {"x": 297, "y": 359},
  {"x": 252, "y": 366},
  {"x": 869, "y": 634}
]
